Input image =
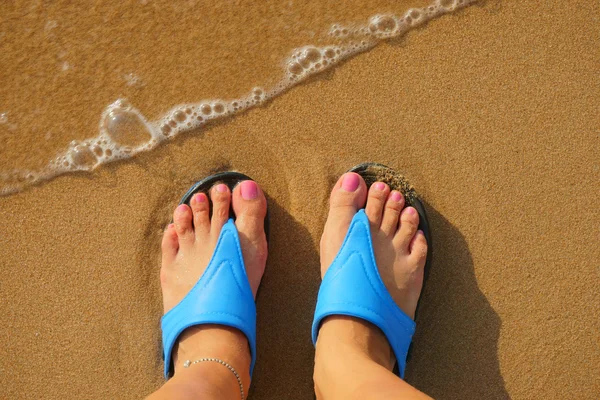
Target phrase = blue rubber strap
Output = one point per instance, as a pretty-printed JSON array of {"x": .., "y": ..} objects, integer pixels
[
  {"x": 221, "y": 296},
  {"x": 352, "y": 286}
]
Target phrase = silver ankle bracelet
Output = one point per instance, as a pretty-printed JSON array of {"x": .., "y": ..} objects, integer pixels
[{"x": 187, "y": 363}]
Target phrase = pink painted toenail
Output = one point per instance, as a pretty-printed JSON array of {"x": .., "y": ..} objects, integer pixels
[
  {"x": 379, "y": 185},
  {"x": 396, "y": 196},
  {"x": 221, "y": 188},
  {"x": 249, "y": 190},
  {"x": 411, "y": 211},
  {"x": 181, "y": 208},
  {"x": 350, "y": 182},
  {"x": 199, "y": 198}
]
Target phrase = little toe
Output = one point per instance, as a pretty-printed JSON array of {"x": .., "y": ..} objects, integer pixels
[
  {"x": 221, "y": 201},
  {"x": 391, "y": 213},
  {"x": 169, "y": 245},
  {"x": 182, "y": 218},
  {"x": 200, "y": 209},
  {"x": 378, "y": 193},
  {"x": 409, "y": 223}
]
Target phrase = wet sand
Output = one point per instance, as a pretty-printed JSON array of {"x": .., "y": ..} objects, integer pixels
[{"x": 492, "y": 113}]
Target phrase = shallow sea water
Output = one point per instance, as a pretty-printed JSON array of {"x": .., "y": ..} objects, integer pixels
[{"x": 50, "y": 117}]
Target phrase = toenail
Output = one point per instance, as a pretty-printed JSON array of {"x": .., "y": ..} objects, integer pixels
[
  {"x": 221, "y": 188},
  {"x": 396, "y": 196},
  {"x": 379, "y": 185},
  {"x": 181, "y": 208},
  {"x": 350, "y": 182},
  {"x": 199, "y": 198},
  {"x": 249, "y": 190},
  {"x": 411, "y": 211}
]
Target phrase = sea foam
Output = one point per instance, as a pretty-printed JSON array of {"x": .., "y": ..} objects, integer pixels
[{"x": 124, "y": 131}]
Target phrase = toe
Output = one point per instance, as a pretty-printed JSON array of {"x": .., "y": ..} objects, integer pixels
[
  {"x": 182, "y": 217},
  {"x": 348, "y": 194},
  {"x": 391, "y": 212},
  {"x": 170, "y": 244},
  {"x": 250, "y": 208},
  {"x": 418, "y": 248},
  {"x": 347, "y": 197},
  {"x": 221, "y": 200},
  {"x": 409, "y": 223},
  {"x": 378, "y": 193},
  {"x": 200, "y": 209}
]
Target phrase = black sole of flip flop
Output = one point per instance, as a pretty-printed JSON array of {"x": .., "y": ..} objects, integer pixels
[
  {"x": 229, "y": 178},
  {"x": 375, "y": 172}
]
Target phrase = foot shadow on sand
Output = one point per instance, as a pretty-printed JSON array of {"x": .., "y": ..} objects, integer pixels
[
  {"x": 455, "y": 349},
  {"x": 454, "y": 352},
  {"x": 285, "y": 305}
]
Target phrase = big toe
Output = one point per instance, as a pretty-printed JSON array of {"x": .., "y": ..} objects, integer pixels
[
  {"x": 250, "y": 208},
  {"x": 348, "y": 196}
]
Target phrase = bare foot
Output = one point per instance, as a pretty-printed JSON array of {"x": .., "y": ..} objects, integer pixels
[
  {"x": 400, "y": 252},
  {"x": 187, "y": 247}
]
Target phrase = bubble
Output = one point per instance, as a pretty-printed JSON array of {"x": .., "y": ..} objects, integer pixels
[
  {"x": 180, "y": 116},
  {"x": 304, "y": 61},
  {"x": 165, "y": 129},
  {"x": 108, "y": 152},
  {"x": 415, "y": 14},
  {"x": 329, "y": 53},
  {"x": 98, "y": 151},
  {"x": 219, "y": 108},
  {"x": 188, "y": 111},
  {"x": 295, "y": 68},
  {"x": 449, "y": 4},
  {"x": 257, "y": 91},
  {"x": 172, "y": 123},
  {"x": 122, "y": 103},
  {"x": 83, "y": 156},
  {"x": 126, "y": 128},
  {"x": 199, "y": 118},
  {"x": 206, "y": 109},
  {"x": 313, "y": 55},
  {"x": 383, "y": 24}
]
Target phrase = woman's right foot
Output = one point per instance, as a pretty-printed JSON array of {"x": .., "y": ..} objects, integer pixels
[
  {"x": 400, "y": 248},
  {"x": 353, "y": 358}
]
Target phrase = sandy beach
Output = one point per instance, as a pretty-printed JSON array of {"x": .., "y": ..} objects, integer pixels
[{"x": 490, "y": 111}]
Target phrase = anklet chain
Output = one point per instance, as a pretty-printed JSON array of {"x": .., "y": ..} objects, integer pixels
[{"x": 188, "y": 363}]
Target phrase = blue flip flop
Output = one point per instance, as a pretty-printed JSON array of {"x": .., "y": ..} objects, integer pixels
[
  {"x": 222, "y": 295},
  {"x": 352, "y": 285}
]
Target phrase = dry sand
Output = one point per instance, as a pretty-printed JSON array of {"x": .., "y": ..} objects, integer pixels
[{"x": 491, "y": 112}]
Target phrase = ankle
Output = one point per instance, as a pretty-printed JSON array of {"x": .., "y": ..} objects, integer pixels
[
  {"x": 340, "y": 335},
  {"x": 214, "y": 341}
]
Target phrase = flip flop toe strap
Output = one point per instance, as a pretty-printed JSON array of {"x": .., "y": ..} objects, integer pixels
[
  {"x": 352, "y": 286},
  {"x": 221, "y": 296}
]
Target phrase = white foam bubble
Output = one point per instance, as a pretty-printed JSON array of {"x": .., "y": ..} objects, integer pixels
[{"x": 124, "y": 131}]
